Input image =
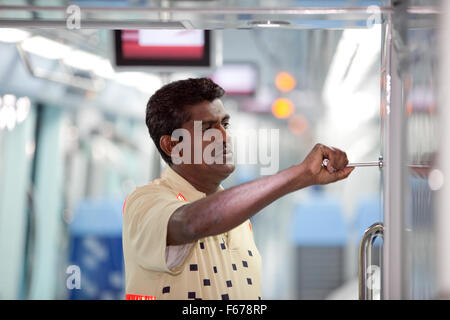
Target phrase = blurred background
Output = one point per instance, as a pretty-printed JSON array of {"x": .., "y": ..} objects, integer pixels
[{"x": 74, "y": 144}]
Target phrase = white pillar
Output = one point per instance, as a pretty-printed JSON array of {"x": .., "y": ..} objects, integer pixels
[{"x": 394, "y": 169}]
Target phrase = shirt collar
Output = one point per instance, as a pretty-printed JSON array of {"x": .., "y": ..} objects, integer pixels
[{"x": 181, "y": 185}]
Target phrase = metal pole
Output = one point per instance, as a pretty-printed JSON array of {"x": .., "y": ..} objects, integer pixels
[
  {"x": 93, "y": 24},
  {"x": 418, "y": 10},
  {"x": 394, "y": 175},
  {"x": 211, "y": 10}
]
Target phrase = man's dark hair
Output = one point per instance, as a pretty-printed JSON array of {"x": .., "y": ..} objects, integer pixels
[{"x": 167, "y": 107}]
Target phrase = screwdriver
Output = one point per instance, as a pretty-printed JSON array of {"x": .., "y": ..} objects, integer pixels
[{"x": 378, "y": 163}]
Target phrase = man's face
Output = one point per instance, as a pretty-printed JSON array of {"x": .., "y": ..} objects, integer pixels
[{"x": 210, "y": 119}]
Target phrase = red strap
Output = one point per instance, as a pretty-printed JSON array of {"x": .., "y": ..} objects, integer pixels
[
  {"x": 123, "y": 209},
  {"x": 138, "y": 297},
  {"x": 181, "y": 197}
]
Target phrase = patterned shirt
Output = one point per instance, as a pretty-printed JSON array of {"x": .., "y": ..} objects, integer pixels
[{"x": 224, "y": 266}]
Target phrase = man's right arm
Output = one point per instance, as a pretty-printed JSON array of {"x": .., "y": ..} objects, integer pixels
[{"x": 222, "y": 211}]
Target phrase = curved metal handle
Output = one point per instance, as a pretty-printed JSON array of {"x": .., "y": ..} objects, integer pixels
[{"x": 365, "y": 252}]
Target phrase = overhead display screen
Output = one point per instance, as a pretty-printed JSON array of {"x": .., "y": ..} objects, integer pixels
[
  {"x": 183, "y": 48},
  {"x": 237, "y": 79}
]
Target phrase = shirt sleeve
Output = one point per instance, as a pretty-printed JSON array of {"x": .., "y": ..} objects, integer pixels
[
  {"x": 146, "y": 219},
  {"x": 175, "y": 255}
]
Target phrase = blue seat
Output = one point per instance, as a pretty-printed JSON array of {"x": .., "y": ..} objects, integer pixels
[
  {"x": 368, "y": 211},
  {"x": 98, "y": 217},
  {"x": 96, "y": 248}
]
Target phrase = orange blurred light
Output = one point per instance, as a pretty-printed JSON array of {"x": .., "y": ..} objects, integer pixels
[
  {"x": 409, "y": 107},
  {"x": 431, "y": 108},
  {"x": 298, "y": 124},
  {"x": 285, "y": 82},
  {"x": 282, "y": 108}
]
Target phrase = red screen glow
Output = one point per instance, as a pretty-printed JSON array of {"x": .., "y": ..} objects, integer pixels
[{"x": 163, "y": 44}]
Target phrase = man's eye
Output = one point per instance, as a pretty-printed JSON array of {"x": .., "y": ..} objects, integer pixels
[{"x": 226, "y": 125}]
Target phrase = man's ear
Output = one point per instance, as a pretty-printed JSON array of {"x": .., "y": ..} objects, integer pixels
[{"x": 166, "y": 144}]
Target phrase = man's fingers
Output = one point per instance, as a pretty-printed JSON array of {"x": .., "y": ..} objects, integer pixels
[
  {"x": 344, "y": 173},
  {"x": 337, "y": 162},
  {"x": 341, "y": 157},
  {"x": 337, "y": 159}
]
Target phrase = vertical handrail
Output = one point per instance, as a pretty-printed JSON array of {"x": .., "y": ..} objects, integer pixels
[{"x": 365, "y": 253}]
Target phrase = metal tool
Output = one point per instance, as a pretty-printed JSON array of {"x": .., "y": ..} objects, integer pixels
[{"x": 378, "y": 163}]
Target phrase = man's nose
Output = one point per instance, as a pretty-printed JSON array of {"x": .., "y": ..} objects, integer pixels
[
  {"x": 226, "y": 137},
  {"x": 224, "y": 134}
]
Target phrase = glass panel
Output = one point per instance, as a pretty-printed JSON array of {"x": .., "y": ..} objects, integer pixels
[
  {"x": 410, "y": 273},
  {"x": 422, "y": 142}
]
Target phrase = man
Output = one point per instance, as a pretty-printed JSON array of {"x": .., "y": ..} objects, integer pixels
[{"x": 184, "y": 237}]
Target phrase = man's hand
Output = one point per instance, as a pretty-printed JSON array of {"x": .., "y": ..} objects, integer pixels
[{"x": 335, "y": 170}]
